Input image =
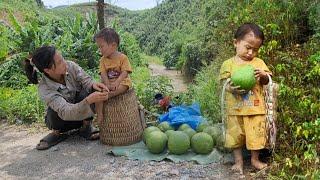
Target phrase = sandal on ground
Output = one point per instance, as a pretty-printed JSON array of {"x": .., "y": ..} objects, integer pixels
[
  {"x": 89, "y": 133},
  {"x": 50, "y": 140}
]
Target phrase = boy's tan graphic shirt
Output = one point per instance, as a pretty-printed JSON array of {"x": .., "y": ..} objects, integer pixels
[{"x": 114, "y": 67}]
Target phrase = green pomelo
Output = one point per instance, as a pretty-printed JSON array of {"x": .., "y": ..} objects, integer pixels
[
  {"x": 244, "y": 77},
  {"x": 214, "y": 132},
  {"x": 201, "y": 126},
  {"x": 221, "y": 140},
  {"x": 218, "y": 130},
  {"x": 165, "y": 126},
  {"x": 147, "y": 131},
  {"x": 190, "y": 132},
  {"x": 156, "y": 142},
  {"x": 202, "y": 143},
  {"x": 178, "y": 142},
  {"x": 220, "y": 144},
  {"x": 183, "y": 127},
  {"x": 169, "y": 132}
]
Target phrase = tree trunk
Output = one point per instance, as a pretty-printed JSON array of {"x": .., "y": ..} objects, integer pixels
[
  {"x": 40, "y": 3},
  {"x": 100, "y": 13}
]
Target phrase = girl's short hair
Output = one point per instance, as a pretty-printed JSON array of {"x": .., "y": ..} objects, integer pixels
[
  {"x": 109, "y": 35},
  {"x": 247, "y": 28}
]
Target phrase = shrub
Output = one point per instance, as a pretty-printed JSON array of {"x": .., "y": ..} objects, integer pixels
[
  {"x": 21, "y": 105},
  {"x": 152, "y": 86},
  {"x": 207, "y": 92},
  {"x": 11, "y": 72}
]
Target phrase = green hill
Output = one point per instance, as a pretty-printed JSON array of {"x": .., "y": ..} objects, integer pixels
[{"x": 165, "y": 29}]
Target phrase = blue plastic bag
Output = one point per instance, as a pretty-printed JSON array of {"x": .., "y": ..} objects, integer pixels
[{"x": 178, "y": 115}]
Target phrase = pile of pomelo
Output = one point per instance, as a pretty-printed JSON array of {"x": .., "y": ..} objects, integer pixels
[{"x": 201, "y": 141}]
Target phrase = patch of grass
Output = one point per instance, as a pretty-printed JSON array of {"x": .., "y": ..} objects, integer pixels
[
  {"x": 152, "y": 59},
  {"x": 21, "y": 106},
  {"x": 139, "y": 77}
]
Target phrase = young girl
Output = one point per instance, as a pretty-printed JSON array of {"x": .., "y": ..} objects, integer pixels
[
  {"x": 114, "y": 66},
  {"x": 246, "y": 109}
]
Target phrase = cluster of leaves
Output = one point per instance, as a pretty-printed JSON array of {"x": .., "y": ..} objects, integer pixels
[
  {"x": 72, "y": 35},
  {"x": 152, "y": 86},
  {"x": 299, "y": 113},
  {"x": 21, "y": 106},
  {"x": 11, "y": 72},
  {"x": 207, "y": 93},
  {"x": 130, "y": 47},
  {"x": 23, "y": 7}
]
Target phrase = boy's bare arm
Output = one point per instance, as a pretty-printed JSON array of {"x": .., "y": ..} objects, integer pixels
[
  {"x": 122, "y": 76},
  {"x": 104, "y": 79},
  {"x": 114, "y": 85}
]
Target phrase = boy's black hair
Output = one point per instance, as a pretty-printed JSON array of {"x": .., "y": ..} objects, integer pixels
[
  {"x": 109, "y": 35},
  {"x": 247, "y": 28},
  {"x": 42, "y": 58}
]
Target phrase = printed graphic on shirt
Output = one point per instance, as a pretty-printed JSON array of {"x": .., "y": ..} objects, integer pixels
[
  {"x": 246, "y": 100},
  {"x": 256, "y": 102},
  {"x": 245, "y": 97},
  {"x": 113, "y": 74}
]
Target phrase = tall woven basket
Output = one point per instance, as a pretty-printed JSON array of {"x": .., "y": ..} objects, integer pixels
[{"x": 122, "y": 124}]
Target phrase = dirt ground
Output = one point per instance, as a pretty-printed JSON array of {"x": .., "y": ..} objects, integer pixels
[{"x": 77, "y": 158}]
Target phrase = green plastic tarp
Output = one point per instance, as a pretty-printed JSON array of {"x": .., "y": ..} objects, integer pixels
[{"x": 139, "y": 151}]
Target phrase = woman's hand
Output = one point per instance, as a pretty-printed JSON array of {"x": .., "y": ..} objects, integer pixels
[
  {"x": 100, "y": 87},
  {"x": 97, "y": 97}
]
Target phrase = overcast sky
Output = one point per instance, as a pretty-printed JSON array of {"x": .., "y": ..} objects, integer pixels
[{"x": 129, "y": 4}]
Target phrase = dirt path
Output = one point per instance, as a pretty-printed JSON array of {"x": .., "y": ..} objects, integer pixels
[{"x": 176, "y": 77}]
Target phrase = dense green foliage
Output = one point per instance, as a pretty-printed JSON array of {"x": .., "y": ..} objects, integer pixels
[{"x": 169, "y": 31}]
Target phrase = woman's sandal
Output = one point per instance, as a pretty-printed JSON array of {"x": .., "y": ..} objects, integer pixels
[
  {"x": 50, "y": 140},
  {"x": 89, "y": 133}
]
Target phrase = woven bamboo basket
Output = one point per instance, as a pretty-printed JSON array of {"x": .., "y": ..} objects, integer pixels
[{"x": 122, "y": 124}]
